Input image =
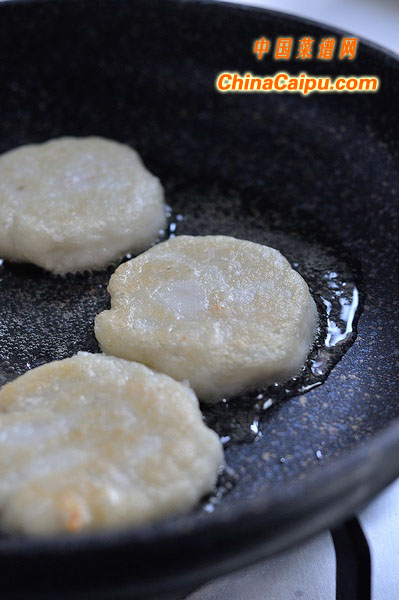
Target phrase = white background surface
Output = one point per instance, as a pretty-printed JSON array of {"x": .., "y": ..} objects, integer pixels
[
  {"x": 376, "y": 20},
  {"x": 307, "y": 572}
]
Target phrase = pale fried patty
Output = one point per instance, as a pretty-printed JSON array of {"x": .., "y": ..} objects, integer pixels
[
  {"x": 76, "y": 203},
  {"x": 223, "y": 313},
  {"x": 96, "y": 441}
]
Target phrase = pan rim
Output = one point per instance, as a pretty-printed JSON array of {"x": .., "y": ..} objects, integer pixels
[
  {"x": 365, "y": 459},
  {"x": 360, "y": 464},
  {"x": 238, "y": 6}
]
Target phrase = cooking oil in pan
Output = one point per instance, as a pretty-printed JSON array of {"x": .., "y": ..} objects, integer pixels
[
  {"x": 334, "y": 282},
  {"x": 44, "y": 317},
  {"x": 68, "y": 306}
]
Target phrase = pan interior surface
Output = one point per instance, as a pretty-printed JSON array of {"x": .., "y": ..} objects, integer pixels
[{"x": 315, "y": 177}]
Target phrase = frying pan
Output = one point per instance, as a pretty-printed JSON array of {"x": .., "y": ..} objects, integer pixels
[{"x": 316, "y": 176}]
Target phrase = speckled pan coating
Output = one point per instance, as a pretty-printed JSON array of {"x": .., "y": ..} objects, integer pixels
[{"x": 321, "y": 167}]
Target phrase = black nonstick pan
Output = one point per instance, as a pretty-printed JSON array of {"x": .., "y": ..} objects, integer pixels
[{"x": 316, "y": 177}]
